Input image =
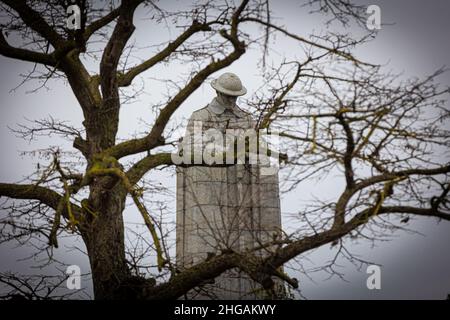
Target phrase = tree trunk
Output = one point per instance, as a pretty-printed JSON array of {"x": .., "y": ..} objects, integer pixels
[
  {"x": 104, "y": 235},
  {"x": 105, "y": 241}
]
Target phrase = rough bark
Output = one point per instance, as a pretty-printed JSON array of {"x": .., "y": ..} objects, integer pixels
[{"x": 104, "y": 239}]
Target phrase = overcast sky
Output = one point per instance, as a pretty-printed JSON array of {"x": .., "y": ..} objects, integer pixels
[{"x": 415, "y": 42}]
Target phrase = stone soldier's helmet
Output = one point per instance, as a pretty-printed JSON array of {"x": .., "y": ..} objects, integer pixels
[{"x": 229, "y": 84}]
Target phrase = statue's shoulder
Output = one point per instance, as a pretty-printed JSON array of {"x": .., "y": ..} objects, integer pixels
[
  {"x": 200, "y": 114},
  {"x": 244, "y": 114},
  {"x": 241, "y": 112}
]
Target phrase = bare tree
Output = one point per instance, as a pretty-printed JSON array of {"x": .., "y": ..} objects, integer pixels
[{"x": 334, "y": 110}]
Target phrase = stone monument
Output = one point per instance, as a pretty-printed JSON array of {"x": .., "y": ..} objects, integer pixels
[{"x": 223, "y": 206}]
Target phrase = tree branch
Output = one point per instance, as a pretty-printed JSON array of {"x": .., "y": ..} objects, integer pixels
[
  {"x": 100, "y": 23},
  {"x": 140, "y": 168},
  {"x": 114, "y": 49},
  {"x": 154, "y": 138},
  {"x": 34, "y": 192},
  {"x": 278, "y": 101},
  {"x": 402, "y": 173},
  {"x": 35, "y": 21},
  {"x": 24, "y": 54},
  {"x": 127, "y": 78},
  {"x": 298, "y": 247},
  {"x": 65, "y": 54},
  {"x": 427, "y": 212},
  {"x": 187, "y": 279},
  {"x": 336, "y": 51}
]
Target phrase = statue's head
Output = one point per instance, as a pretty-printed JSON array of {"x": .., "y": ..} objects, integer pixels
[{"x": 228, "y": 87}]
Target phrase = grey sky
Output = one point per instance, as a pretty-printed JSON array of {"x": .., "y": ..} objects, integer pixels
[{"x": 413, "y": 266}]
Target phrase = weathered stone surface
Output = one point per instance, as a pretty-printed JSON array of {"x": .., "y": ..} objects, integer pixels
[{"x": 224, "y": 207}]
